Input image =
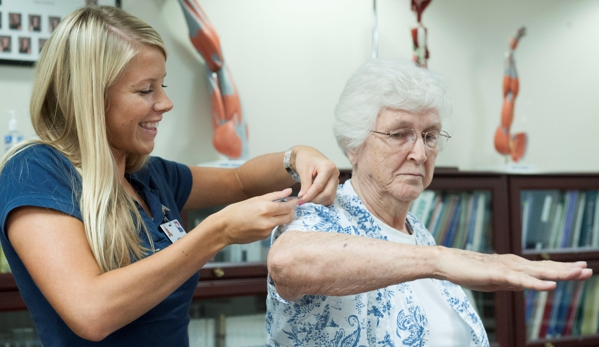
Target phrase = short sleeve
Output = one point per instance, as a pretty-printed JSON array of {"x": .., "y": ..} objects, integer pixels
[{"x": 42, "y": 177}]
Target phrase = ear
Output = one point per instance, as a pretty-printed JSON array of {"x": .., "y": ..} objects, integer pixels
[{"x": 353, "y": 155}]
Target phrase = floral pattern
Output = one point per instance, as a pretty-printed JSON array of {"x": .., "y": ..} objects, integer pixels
[{"x": 389, "y": 317}]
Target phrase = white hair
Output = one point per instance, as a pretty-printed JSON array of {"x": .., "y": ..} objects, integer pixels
[{"x": 386, "y": 84}]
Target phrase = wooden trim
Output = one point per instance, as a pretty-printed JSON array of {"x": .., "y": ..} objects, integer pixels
[{"x": 228, "y": 288}]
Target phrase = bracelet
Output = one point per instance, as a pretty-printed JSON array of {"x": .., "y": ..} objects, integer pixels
[{"x": 288, "y": 167}]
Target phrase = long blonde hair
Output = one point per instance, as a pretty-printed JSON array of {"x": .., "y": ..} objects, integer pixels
[{"x": 84, "y": 56}]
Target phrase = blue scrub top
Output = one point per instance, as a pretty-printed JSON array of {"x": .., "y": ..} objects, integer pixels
[{"x": 41, "y": 176}]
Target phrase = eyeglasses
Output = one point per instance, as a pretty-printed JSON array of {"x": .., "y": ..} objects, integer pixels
[{"x": 434, "y": 139}]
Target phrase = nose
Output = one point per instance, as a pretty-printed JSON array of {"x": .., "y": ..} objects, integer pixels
[
  {"x": 418, "y": 151},
  {"x": 163, "y": 104}
]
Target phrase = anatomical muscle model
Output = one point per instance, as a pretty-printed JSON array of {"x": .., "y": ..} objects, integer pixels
[
  {"x": 506, "y": 143},
  {"x": 230, "y": 129},
  {"x": 419, "y": 34}
]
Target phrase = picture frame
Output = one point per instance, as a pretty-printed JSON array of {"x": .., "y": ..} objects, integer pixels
[{"x": 26, "y": 25}]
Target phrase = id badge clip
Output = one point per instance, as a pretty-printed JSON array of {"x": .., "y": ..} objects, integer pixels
[{"x": 173, "y": 229}]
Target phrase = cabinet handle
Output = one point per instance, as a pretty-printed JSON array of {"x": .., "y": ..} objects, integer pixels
[
  {"x": 545, "y": 256},
  {"x": 218, "y": 272}
]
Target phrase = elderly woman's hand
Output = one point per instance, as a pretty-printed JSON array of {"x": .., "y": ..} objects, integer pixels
[
  {"x": 492, "y": 272},
  {"x": 319, "y": 176}
]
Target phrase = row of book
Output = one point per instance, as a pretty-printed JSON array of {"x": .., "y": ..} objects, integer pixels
[
  {"x": 572, "y": 309},
  {"x": 458, "y": 220},
  {"x": 554, "y": 219}
]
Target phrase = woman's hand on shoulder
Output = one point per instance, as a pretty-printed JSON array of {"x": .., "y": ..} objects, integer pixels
[
  {"x": 319, "y": 176},
  {"x": 254, "y": 219}
]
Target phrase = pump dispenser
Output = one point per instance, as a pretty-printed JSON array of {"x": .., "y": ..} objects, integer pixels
[{"x": 13, "y": 137}]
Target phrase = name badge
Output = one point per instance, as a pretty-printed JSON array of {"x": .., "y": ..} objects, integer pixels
[{"x": 173, "y": 230}]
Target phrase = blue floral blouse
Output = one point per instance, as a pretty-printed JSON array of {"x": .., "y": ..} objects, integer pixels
[{"x": 388, "y": 316}]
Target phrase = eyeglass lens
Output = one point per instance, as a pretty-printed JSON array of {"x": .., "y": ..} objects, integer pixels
[{"x": 432, "y": 139}]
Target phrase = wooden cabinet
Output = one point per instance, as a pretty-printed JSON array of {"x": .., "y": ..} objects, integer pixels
[
  {"x": 225, "y": 282},
  {"x": 552, "y": 218}
]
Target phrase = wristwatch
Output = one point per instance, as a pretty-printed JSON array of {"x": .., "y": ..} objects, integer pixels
[{"x": 288, "y": 166}]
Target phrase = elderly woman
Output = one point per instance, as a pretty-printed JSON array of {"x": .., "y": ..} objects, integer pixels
[{"x": 365, "y": 272}]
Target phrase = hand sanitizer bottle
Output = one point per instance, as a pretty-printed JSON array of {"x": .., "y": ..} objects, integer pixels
[{"x": 13, "y": 137}]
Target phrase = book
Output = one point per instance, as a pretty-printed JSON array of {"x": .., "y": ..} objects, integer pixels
[
  {"x": 595, "y": 238},
  {"x": 452, "y": 223},
  {"x": 580, "y": 207},
  {"x": 421, "y": 207},
  {"x": 588, "y": 324},
  {"x": 573, "y": 308},
  {"x": 471, "y": 221},
  {"x": 555, "y": 309},
  {"x": 572, "y": 199},
  {"x": 537, "y": 206},
  {"x": 564, "y": 305},
  {"x": 479, "y": 225},
  {"x": 545, "y": 318},
  {"x": 537, "y": 315},
  {"x": 462, "y": 232},
  {"x": 526, "y": 200},
  {"x": 445, "y": 219},
  {"x": 558, "y": 223},
  {"x": 436, "y": 216},
  {"x": 586, "y": 232},
  {"x": 576, "y": 326}
]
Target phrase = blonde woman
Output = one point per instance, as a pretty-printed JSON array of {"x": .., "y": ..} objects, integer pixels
[{"x": 86, "y": 213}]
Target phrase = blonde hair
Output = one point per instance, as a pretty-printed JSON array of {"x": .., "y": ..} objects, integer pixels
[{"x": 84, "y": 56}]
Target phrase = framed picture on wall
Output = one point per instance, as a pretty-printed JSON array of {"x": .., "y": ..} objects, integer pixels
[{"x": 25, "y": 25}]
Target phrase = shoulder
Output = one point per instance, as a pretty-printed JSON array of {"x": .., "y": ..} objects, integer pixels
[
  {"x": 36, "y": 161},
  {"x": 163, "y": 165},
  {"x": 39, "y": 175},
  {"x": 159, "y": 168}
]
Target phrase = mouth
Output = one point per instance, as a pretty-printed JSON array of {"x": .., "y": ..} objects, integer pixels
[{"x": 149, "y": 125}]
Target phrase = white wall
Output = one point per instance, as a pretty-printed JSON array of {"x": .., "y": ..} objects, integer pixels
[{"x": 290, "y": 61}]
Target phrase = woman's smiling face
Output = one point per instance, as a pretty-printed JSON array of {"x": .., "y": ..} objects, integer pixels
[{"x": 136, "y": 103}]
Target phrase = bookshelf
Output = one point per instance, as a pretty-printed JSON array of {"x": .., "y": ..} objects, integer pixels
[
  {"x": 553, "y": 218},
  {"x": 495, "y": 309}
]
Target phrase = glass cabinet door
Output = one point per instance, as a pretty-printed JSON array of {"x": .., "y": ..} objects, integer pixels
[
  {"x": 228, "y": 322},
  {"x": 559, "y": 219},
  {"x": 571, "y": 310},
  {"x": 17, "y": 330}
]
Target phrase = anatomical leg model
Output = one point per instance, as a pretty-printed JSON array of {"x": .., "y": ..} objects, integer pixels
[
  {"x": 419, "y": 34},
  {"x": 506, "y": 143},
  {"x": 230, "y": 129}
]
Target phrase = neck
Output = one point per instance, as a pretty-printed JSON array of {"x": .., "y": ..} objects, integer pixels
[{"x": 388, "y": 209}]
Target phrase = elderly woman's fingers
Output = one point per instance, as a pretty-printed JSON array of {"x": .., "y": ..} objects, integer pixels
[
  {"x": 492, "y": 272},
  {"x": 551, "y": 270}
]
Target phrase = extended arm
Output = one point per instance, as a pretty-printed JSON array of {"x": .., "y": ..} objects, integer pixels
[
  {"x": 264, "y": 174},
  {"x": 55, "y": 251},
  {"x": 335, "y": 264}
]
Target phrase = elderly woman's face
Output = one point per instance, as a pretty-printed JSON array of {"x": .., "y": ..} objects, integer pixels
[{"x": 402, "y": 172}]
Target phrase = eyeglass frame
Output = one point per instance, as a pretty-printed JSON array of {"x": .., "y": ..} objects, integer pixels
[{"x": 422, "y": 135}]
